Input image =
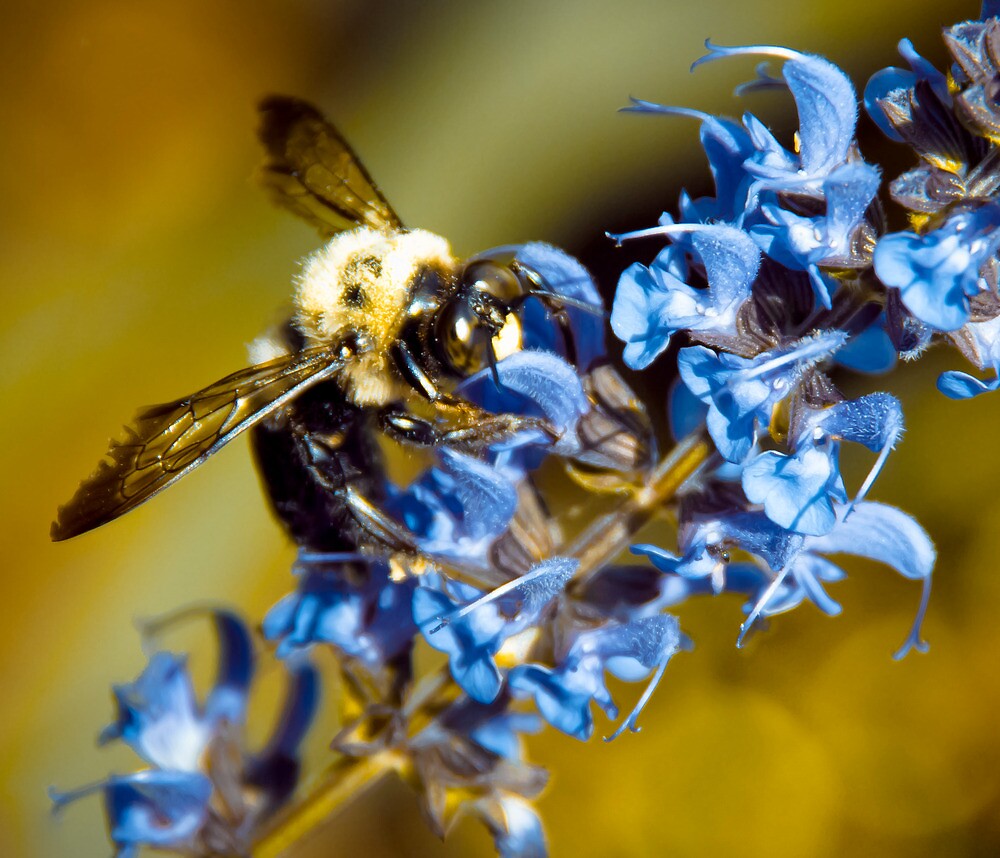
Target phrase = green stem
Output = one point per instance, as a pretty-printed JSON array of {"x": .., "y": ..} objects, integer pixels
[{"x": 344, "y": 781}]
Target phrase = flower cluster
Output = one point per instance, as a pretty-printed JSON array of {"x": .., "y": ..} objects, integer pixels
[
  {"x": 763, "y": 297},
  {"x": 203, "y": 792}
]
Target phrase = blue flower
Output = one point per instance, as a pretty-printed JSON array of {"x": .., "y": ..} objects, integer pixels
[
  {"x": 559, "y": 274},
  {"x": 794, "y": 570},
  {"x": 196, "y": 753},
  {"x": 629, "y": 651},
  {"x": 472, "y": 627},
  {"x": 651, "y": 304},
  {"x": 159, "y": 809},
  {"x": 470, "y": 642},
  {"x": 741, "y": 391},
  {"x": 827, "y": 108},
  {"x": 804, "y": 243},
  {"x": 888, "y": 95},
  {"x": 937, "y": 272},
  {"x": 350, "y": 605},
  {"x": 517, "y": 830},
  {"x": 456, "y": 510},
  {"x": 980, "y": 342},
  {"x": 798, "y": 491}
]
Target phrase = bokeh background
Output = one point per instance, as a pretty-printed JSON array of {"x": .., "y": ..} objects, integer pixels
[{"x": 138, "y": 258}]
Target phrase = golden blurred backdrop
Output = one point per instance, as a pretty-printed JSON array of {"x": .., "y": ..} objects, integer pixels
[{"x": 138, "y": 259}]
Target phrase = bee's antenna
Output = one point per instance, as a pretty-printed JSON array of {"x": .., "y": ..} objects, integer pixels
[
  {"x": 492, "y": 358},
  {"x": 566, "y": 301}
]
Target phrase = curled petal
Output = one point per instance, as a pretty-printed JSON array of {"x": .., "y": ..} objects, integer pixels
[
  {"x": 882, "y": 533},
  {"x": 961, "y": 385},
  {"x": 533, "y": 383}
]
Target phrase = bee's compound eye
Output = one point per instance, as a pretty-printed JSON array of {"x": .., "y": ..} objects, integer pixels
[
  {"x": 462, "y": 339},
  {"x": 494, "y": 279}
]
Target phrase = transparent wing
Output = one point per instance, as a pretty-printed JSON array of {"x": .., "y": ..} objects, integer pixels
[
  {"x": 166, "y": 441},
  {"x": 530, "y": 538},
  {"x": 311, "y": 170}
]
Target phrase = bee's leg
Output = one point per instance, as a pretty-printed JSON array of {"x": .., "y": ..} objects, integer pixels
[
  {"x": 415, "y": 375},
  {"x": 386, "y": 531},
  {"x": 473, "y": 429},
  {"x": 407, "y": 428}
]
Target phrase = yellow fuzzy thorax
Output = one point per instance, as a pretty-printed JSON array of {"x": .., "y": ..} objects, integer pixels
[{"x": 362, "y": 283}]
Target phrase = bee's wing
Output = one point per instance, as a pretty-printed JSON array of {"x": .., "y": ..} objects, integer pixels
[
  {"x": 312, "y": 171},
  {"x": 166, "y": 441},
  {"x": 530, "y": 537}
]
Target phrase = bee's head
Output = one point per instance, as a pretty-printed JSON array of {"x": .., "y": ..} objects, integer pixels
[{"x": 479, "y": 322}]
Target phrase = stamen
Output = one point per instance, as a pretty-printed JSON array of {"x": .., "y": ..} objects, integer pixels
[
  {"x": 913, "y": 639},
  {"x": 761, "y": 604},
  {"x": 634, "y": 714}
]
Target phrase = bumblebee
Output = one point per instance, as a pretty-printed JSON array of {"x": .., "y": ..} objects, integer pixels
[{"x": 387, "y": 321}]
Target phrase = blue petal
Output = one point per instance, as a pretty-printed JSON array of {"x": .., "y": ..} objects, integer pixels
[
  {"x": 727, "y": 146},
  {"x": 470, "y": 641},
  {"x": 274, "y": 771},
  {"x": 870, "y": 351},
  {"x": 875, "y": 420},
  {"x": 488, "y": 499},
  {"x": 158, "y": 715},
  {"x": 536, "y": 588},
  {"x": 895, "y": 85},
  {"x": 630, "y": 650},
  {"x": 701, "y": 371},
  {"x": 522, "y": 836},
  {"x": 635, "y": 316},
  {"x": 882, "y": 533},
  {"x": 686, "y": 412},
  {"x": 696, "y": 563},
  {"x": 849, "y": 190},
  {"x": 809, "y": 571},
  {"x": 563, "y": 275},
  {"x": 892, "y": 537},
  {"x": 301, "y": 704},
  {"x": 961, "y": 385},
  {"x": 564, "y": 708},
  {"x": 499, "y": 735},
  {"x": 228, "y": 697},
  {"x": 795, "y": 490},
  {"x": 532, "y": 383},
  {"x": 828, "y": 111}
]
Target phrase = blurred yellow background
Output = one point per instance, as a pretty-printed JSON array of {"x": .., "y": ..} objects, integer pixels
[{"x": 138, "y": 259}]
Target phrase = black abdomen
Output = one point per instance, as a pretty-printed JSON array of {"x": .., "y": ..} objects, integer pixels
[{"x": 307, "y": 455}]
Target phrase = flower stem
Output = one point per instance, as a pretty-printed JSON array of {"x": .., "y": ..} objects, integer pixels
[
  {"x": 611, "y": 534},
  {"x": 343, "y": 781}
]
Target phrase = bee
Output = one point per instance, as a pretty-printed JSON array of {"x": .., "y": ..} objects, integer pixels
[{"x": 387, "y": 321}]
